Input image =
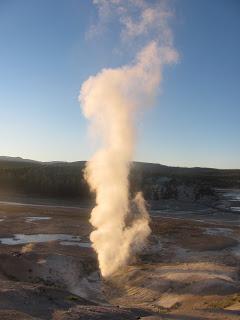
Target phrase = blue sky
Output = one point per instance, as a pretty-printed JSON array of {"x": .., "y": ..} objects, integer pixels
[{"x": 45, "y": 56}]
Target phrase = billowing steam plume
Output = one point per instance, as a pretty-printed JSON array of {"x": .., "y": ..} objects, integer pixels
[{"x": 110, "y": 100}]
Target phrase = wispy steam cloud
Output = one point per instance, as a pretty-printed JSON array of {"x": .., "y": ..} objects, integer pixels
[
  {"x": 137, "y": 19},
  {"x": 110, "y": 100}
]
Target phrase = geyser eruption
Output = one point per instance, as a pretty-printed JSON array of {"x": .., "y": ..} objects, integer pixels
[{"x": 111, "y": 100}]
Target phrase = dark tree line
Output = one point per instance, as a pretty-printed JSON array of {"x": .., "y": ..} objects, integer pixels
[
  {"x": 67, "y": 180},
  {"x": 45, "y": 180}
]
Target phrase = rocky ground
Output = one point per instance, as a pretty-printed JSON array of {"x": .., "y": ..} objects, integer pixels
[{"x": 189, "y": 270}]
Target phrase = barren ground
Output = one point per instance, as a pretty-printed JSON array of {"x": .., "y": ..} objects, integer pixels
[{"x": 189, "y": 270}]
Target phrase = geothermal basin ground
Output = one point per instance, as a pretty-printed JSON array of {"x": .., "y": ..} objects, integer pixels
[{"x": 190, "y": 268}]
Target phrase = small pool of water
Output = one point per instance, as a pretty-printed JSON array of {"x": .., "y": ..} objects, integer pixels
[
  {"x": 233, "y": 195},
  {"x": 32, "y": 219},
  {"x": 75, "y": 243},
  {"x": 66, "y": 239},
  {"x": 218, "y": 231},
  {"x": 236, "y": 251}
]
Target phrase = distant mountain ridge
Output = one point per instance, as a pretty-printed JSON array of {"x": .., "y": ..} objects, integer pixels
[
  {"x": 150, "y": 165},
  {"x": 8, "y": 158},
  {"x": 66, "y": 179}
]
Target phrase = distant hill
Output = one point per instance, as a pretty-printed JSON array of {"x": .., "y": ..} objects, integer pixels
[
  {"x": 15, "y": 159},
  {"x": 16, "y": 162},
  {"x": 65, "y": 179}
]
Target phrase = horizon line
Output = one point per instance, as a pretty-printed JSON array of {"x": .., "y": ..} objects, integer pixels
[{"x": 136, "y": 161}]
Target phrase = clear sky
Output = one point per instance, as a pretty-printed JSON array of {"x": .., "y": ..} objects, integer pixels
[{"x": 45, "y": 56}]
